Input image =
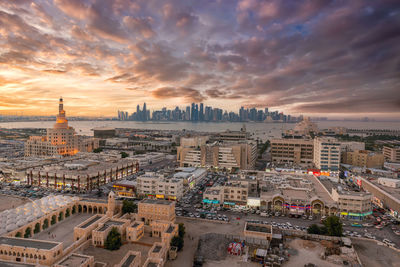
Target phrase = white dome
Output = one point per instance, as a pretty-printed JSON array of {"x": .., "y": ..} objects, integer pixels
[
  {"x": 30, "y": 218},
  {"x": 10, "y": 227},
  {"x": 21, "y": 223}
]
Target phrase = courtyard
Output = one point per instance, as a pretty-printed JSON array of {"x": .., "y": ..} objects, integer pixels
[{"x": 64, "y": 230}]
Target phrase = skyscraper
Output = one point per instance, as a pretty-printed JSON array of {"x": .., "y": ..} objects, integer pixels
[{"x": 201, "y": 113}]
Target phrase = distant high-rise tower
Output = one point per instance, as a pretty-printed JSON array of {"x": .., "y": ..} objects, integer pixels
[{"x": 201, "y": 113}]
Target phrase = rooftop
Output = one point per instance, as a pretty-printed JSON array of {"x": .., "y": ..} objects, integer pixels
[
  {"x": 157, "y": 249},
  {"x": 22, "y": 242},
  {"x": 170, "y": 229},
  {"x": 109, "y": 223},
  {"x": 74, "y": 260},
  {"x": 129, "y": 260},
  {"x": 157, "y": 201},
  {"x": 15, "y": 264},
  {"x": 259, "y": 228},
  {"x": 95, "y": 219}
]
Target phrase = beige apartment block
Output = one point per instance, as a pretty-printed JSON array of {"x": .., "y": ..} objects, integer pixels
[
  {"x": 326, "y": 153},
  {"x": 392, "y": 154},
  {"x": 299, "y": 152},
  {"x": 135, "y": 231},
  {"x": 363, "y": 158},
  {"x": 227, "y": 155},
  {"x": 236, "y": 192},
  {"x": 76, "y": 260},
  {"x": 131, "y": 259},
  {"x": 156, "y": 209},
  {"x": 152, "y": 184},
  {"x": 353, "y": 202}
]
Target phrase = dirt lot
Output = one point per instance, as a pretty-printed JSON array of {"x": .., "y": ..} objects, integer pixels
[
  {"x": 196, "y": 228},
  {"x": 306, "y": 252},
  {"x": 9, "y": 202},
  {"x": 373, "y": 255},
  {"x": 231, "y": 261}
]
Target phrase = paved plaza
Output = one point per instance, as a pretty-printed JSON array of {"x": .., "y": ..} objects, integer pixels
[{"x": 64, "y": 230}]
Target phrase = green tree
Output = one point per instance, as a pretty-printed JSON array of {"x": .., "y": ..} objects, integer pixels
[
  {"x": 27, "y": 232},
  {"x": 113, "y": 241},
  {"x": 45, "y": 224},
  {"x": 53, "y": 219},
  {"x": 97, "y": 150},
  {"x": 314, "y": 229},
  {"x": 333, "y": 226},
  {"x": 37, "y": 228},
  {"x": 181, "y": 230},
  {"x": 18, "y": 234},
  {"x": 178, "y": 242},
  {"x": 67, "y": 213},
  {"x": 60, "y": 216},
  {"x": 124, "y": 154},
  {"x": 73, "y": 210},
  {"x": 128, "y": 206}
]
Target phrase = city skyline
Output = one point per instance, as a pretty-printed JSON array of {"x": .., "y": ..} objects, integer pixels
[{"x": 316, "y": 58}]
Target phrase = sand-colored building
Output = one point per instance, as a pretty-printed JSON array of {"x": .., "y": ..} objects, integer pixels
[
  {"x": 60, "y": 140},
  {"x": 135, "y": 231},
  {"x": 363, "y": 158},
  {"x": 299, "y": 152},
  {"x": 156, "y": 209},
  {"x": 326, "y": 153},
  {"x": 228, "y": 154},
  {"x": 76, "y": 260},
  {"x": 392, "y": 153},
  {"x": 131, "y": 259}
]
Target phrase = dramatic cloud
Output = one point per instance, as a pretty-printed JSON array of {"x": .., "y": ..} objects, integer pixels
[{"x": 317, "y": 57}]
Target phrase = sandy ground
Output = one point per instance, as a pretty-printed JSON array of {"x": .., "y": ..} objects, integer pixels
[
  {"x": 64, "y": 230},
  {"x": 195, "y": 228},
  {"x": 373, "y": 255},
  {"x": 9, "y": 202},
  {"x": 231, "y": 261},
  {"x": 307, "y": 252}
]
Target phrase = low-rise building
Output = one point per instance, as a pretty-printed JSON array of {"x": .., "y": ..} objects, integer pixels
[
  {"x": 156, "y": 209},
  {"x": 392, "y": 153},
  {"x": 135, "y": 231},
  {"x": 99, "y": 235},
  {"x": 393, "y": 183},
  {"x": 76, "y": 260},
  {"x": 363, "y": 158},
  {"x": 155, "y": 185},
  {"x": 131, "y": 259},
  {"x": 125, "y": 188}
]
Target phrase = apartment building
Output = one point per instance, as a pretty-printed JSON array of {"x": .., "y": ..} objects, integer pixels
[
  {"x": 156, "y": 185},
  {"x": 363, "y": 158},
  {"x": 236, "y": 193},
  {"x": 326, "y": 153},
  {"x": 392, "y": 154},
  {"x": 353, "y": 205},
  {"x": 228, "y": 155},
  {"x": 292, "y": 151}
]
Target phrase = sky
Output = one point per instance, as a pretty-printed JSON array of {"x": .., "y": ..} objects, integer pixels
[{"x": 312, "y": 57}]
